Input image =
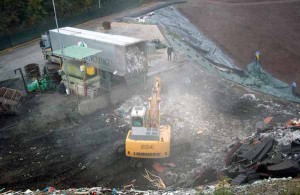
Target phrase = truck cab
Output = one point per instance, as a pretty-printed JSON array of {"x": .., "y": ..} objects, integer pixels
[{"x": 45, "y": 41}]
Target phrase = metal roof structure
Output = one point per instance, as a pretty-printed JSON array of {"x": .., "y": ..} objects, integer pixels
[
  {"x": 97, "y": 36},
  {"x": 77, "y": 52}
]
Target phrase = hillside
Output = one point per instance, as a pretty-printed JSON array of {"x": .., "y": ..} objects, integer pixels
[{"x": 242, "y": 27}]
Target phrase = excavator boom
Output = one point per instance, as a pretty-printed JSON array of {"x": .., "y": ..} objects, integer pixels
[{"x": 153, "y": 114}]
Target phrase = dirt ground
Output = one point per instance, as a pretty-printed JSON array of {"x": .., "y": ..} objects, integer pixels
[
  {"x": 242, "y": 27},
  {"x": 50, "y": 144}
]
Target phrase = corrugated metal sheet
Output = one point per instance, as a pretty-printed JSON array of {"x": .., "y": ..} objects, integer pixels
[
  {"x": 273, "y": 160},
  {"x": 285, "y": 166},
  {"x": 254, "y": 151}
]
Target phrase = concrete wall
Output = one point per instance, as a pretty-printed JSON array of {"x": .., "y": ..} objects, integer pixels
[
  {"x": 77, "y": 85},
  {"x": 118, "y": 94}
]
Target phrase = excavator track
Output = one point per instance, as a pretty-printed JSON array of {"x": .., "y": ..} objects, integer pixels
[
  {"x": 177, "y": 147},
  {"x": 119, "y": 147}
]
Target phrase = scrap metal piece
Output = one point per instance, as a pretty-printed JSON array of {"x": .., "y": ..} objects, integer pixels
[
  {"x": 24, "y": 83},
  {"x": 260, "y": 126},
  {"x": 206, "y": 176},
  {"x": 229, "y": 157},
  {"x": 254, "y": 151},
  {"x": 244, "y": 148},
  {"x": 291, "y": 149},
  {"x": 240, "y": 179},
  {"x": 285, "y": 168},
  {"x": 268, "y": 146},
  {"x": 272, "y": 161},
  {"x": 158, "y": 167},
  {"x": 268, "y": 120},
  {"x": 9, "y": 100},
  {"x": 253, "y": 177},
  {"x": 154, "y": 179},
  {"x": 287, "y": 149}
]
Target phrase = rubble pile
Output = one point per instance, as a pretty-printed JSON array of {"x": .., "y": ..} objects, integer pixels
[
  {"x": 275, "y": 186},
  {"x": 96, "y": 191},
  {"x": 124, "y": 109},
  {"x": 274, "y": 151},
  {"x": 185, "y": 116}
]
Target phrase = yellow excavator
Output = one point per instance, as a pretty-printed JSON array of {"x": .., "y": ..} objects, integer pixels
[{"x": 148, "y": 139}]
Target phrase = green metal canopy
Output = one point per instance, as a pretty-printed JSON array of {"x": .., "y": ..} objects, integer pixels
[{"x": 76, "y": 52}]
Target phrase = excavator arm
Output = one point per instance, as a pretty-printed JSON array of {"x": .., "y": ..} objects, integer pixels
[{"x": 153, "y": 112}]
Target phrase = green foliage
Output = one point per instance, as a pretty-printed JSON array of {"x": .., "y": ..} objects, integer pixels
[
  {"x": 223, "y": 187},
  {"x": 20, "y": 14},
  {"x": 73, "y": 7},
  {"x": 10, "y": 11},
  {"x": 223, "y": 191},
  {"x": 34, "y": 12},
  {"x": 290, "y": 190}
]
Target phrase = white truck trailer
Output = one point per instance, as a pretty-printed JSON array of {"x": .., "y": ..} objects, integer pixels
[{"x": 121, "y": 55}]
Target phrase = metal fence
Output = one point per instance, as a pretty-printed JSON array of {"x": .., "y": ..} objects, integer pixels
[{"x": 8, "y": 40}]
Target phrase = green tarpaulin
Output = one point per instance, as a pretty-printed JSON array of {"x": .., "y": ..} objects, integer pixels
[{"x": 76, "y": 52}]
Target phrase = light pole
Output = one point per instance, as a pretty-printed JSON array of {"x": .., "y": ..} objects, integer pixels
[{"x": 61, "y": 46}]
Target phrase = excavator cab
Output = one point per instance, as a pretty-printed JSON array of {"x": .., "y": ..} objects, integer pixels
[{"x": 138, "y": 115}]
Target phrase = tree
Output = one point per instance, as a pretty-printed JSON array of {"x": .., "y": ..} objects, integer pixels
[
  {"x": 11, "y": 11},
  {"x": 34, "y": 12},
  {"x": 67, "y": 8},
  {"x": 19, "y": 14}
]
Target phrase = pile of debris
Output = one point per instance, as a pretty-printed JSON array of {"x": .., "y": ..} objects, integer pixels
[
  {"x": 96, "y": 191},
  {"x": 124, "y": 109},
  {"x": 274, "y": 151},
  {"x": 136, "y": 62}
]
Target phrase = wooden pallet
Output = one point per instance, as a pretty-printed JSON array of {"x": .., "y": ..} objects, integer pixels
[{"x": 9, "y": 99}]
